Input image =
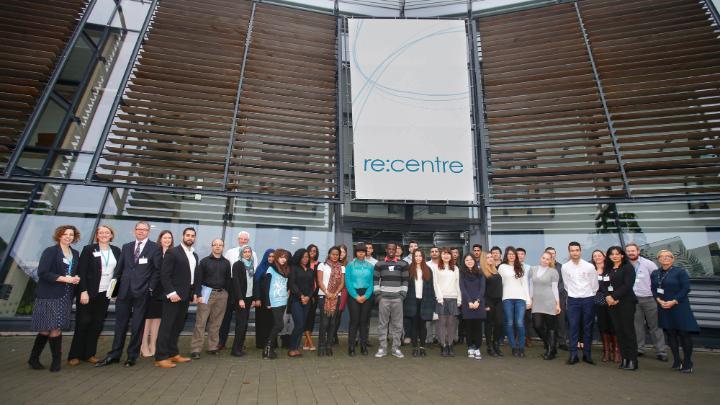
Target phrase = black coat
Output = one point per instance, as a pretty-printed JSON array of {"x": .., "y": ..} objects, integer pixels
[
  {"x": 175, "y": 273},
  {"x": 622, "y": 281},
  {"x": 136, "y": 279},
  {"x": 427, "y": 303},
  {"x": 472, "y": 287},
  {"x": 238, "y": 277},
  {"x": 50, "y": 268},
  {"x": 90, "y": 268}
]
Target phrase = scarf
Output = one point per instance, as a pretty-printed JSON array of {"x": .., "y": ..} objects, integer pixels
[
  {"x": 333, "y": 287},
  {"x": 249, "y": 264}
]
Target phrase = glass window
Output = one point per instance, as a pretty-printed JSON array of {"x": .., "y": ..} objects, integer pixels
[
  {"x": 691, "y": 230},
  {"x": 535, "y": 228}
]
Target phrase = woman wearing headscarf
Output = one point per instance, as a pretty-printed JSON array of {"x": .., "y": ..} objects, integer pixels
[
  {"x": 263, "y": 316},
  {"x": 243, "y": 277}
]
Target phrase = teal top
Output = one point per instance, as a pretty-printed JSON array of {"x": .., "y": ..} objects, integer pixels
[{"x": 359, "y": 278}]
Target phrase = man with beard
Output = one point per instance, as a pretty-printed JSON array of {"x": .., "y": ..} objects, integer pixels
[{"x": 177, "y": 276}]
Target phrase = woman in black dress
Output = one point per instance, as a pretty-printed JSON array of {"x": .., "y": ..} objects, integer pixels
[
  {"x": 621, "y": 302},
  {"x": 95, "y": 269},
  {"x": 57, "y": 279},
  {"x": 493, "y": 304},
  {"x": 154, "y": 310},
  {"x": 314, "y": 253}
]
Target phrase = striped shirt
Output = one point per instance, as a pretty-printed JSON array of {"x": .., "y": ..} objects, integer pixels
[{"x": 390, "y": 278}]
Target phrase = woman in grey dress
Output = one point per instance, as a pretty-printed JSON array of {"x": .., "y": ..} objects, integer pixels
[{"x": 546, "y": 303}]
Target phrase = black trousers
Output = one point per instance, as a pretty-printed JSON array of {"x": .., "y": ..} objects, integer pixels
[
  {"x": 562, "y": 329},
  {"x": 129, "y": 312},
  {"x": 623, "y": 318},
  {"x": 494, "y": 322},
  {"x": 312, "y": 311},
  {"x": 418, "y": 327},
  {"x": 327, "y": 324},
  {"x": 227, "y": 320},
  {"x": 171, "y": 324},
  {"x": 277, "y": 313},
  {"x": 263, "y": 325},
  {"x": 242, "y": 315},
  {"x": 473, "y": 332},
  {"x": 544, "y": 324},
  {"x": 89, "y": 320},
  {"x": 359, "y": 320}
]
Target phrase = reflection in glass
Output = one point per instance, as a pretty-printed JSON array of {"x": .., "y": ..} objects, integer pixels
[
  {"x": 535, "y": 228},
  {"x": 691, "y": 230}
]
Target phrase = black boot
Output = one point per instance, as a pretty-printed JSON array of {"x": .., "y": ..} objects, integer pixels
[
  {"x": 266, "y": 352},
  {"x": 552, "y": 345},
  {"x": 56, "y": 350},
  {"x": 38, "y": 346},
  {"x": 272, "y": 354},
  {"x": 623, "y": 364},
  {"x": 450, "y": 351},
  {"x": 364, "y": 348},
  {"x": 496, "y": 348},
  {"x": 351, "y": 351},
  {"x": 632, "y": 365}
]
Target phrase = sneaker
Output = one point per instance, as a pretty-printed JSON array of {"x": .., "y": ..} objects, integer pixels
[
  {"x": 478, "y": 356},
  {"x": 381, "y": 353},
  {"x": 397, "y": 353},
  {"x": 471, "y": 353}
]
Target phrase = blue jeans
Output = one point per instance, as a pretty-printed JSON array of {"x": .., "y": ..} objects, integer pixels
[
  {"x": 299, "y": 314},
  {"x": 581, "y": 311},
  {"x": 515, "y": 316}
]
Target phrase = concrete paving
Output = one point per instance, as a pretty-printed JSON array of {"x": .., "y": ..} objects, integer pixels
[{"x": 224, "y": 379}]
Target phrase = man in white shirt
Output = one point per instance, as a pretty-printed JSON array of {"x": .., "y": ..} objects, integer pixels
[
  {"x": 370, "y": 249},
  {"x": 581, "y": 284},
  {"x": 646, "y": 307},
  {"x": 233, "y": 255}
]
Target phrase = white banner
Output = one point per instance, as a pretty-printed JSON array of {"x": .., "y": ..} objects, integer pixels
[{"x": 411, "y": 110}]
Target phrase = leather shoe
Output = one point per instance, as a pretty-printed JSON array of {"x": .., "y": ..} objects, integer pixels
[
  {"x": 195, "y": 356},
  {"x": 588, "y": 360},
  {"x": 238, "y": 354},
  {"x": 572, "y": 360},
  {"x": 73, "y": 362},
  {"x": 179, "y": 359},
  {"x": 92, "y": 360},
  {"x": 107, "y": 361},
  {"x": 164, "y": 364},
  {"x": 130, "y": 362}
]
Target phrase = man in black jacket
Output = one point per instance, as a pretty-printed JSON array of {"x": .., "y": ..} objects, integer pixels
[
  {"x": 176, "y": 275},
  {"x": 136, "y": 274}
]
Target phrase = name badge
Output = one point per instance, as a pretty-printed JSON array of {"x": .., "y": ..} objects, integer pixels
[
  {"x": 142, "y": 260},
  {"x": 606, "y": 278},
  {"x": 610, "y": 288},
  {"x": 96, "y": 254},
  {"x": 600, "y": 278},
  {"x": 661, "y": 291},
  {"x": 640, "y": 275},
  {"x": 65, "y": 260},
  {"x": 391, "y": 268}
]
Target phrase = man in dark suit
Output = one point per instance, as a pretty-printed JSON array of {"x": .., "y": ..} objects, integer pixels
[
  {"x": 137, "y": 274},
  {"x": 176, "y": 275}
]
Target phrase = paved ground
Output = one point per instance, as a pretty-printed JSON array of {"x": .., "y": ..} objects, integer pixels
[{"x": 308, "y": 380}]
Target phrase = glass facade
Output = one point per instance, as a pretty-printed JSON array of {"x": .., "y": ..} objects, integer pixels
[{"x": 48, "y": 190}]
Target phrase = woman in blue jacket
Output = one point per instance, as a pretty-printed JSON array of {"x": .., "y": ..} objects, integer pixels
[
  {"x": 359, "y": 285},
  {"x": 57, "y": 278},
  {"x": 670, "y": 287},
  {"x": 274, "y": 297}
]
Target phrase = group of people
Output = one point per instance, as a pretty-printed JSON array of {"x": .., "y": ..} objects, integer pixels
[{"x": 494, "y": 293}]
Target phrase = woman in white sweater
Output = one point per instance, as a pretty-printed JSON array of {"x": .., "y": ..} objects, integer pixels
[
  {"x": 446, "y": 280},
  {"x": 516, "y": 298}
]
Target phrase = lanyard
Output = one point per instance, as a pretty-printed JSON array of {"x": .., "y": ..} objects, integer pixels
[
  {"x": 70, "y": 263},
  {"x": 662, "y": 277},
  {"x": 105, "y": 260}
]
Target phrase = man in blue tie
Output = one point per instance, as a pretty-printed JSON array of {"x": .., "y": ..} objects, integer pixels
[{"x": 137, "y": 273}]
